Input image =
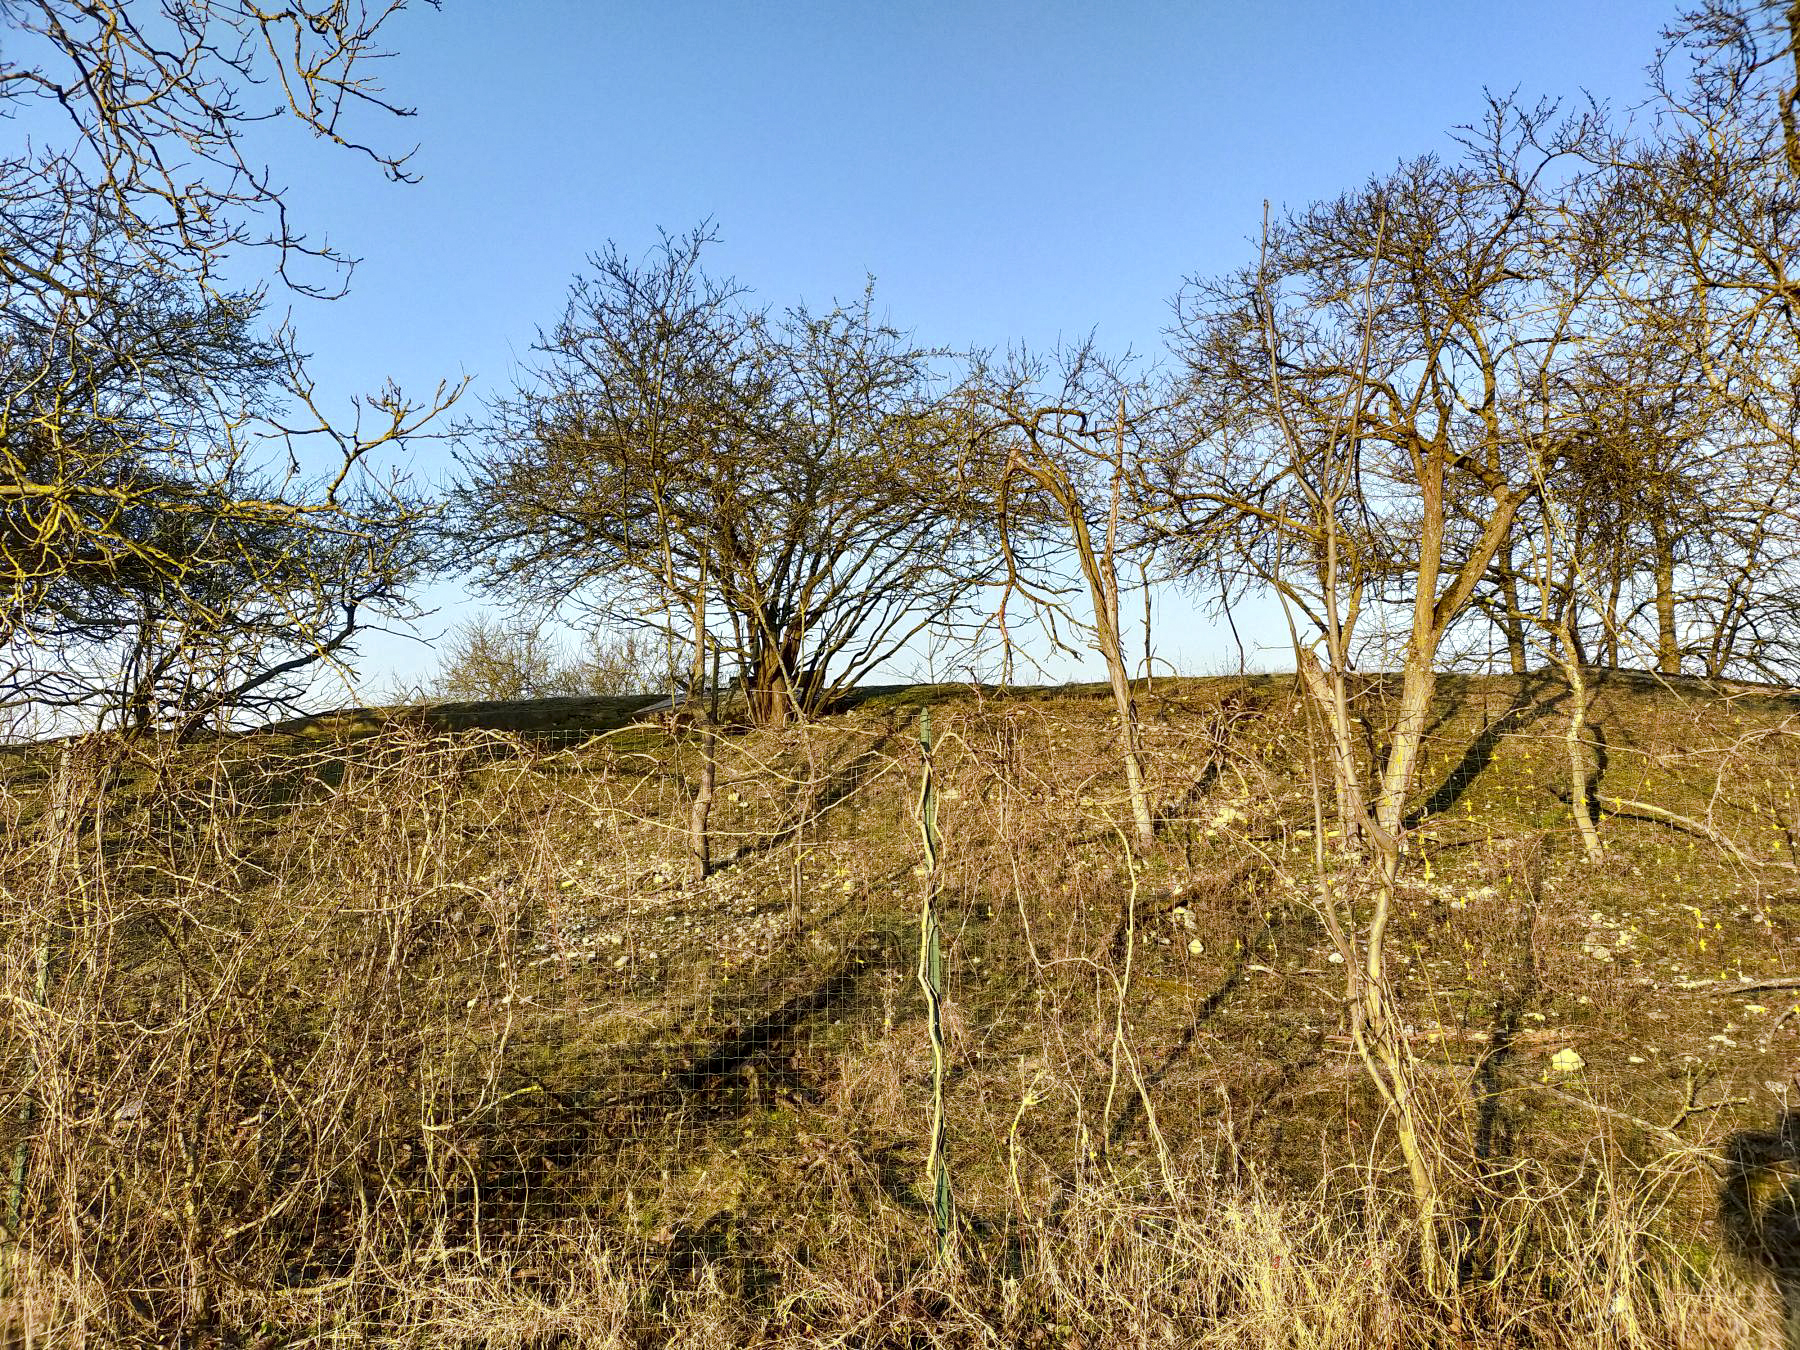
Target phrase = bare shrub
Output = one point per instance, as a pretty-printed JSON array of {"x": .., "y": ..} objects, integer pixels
[
  {"x": 502, "y": 660},
  {"x": 256, "y": 1054}
]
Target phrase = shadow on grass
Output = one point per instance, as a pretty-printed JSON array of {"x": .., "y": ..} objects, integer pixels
[
  {"x": 1526, "y": 706},
  {"x": 554, "y": 1149},
  {"x": 754, "y": 1057},
  {"x": 1759, "y": 1209},
  {"x": 1494, "y": 1141}
]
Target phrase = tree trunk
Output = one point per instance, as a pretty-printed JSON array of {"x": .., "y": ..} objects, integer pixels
[
  {"x": 1512, "y": 624},
  {"x": 1417, "y": 684},
  {"x": 1615, "y": 585},
  {"x": 1386, "y": 1053},
  {"x": 1790, "y": 141},
  {"x": 1103, "y": 586},
  {"x": 1381, "y": 1038},
  {"x": 768, "y": 699},
  {"x": 1100, "y": 571},
  {"x": 1581, "y": 804},
  {"x": 1143, "y": 820},
  {"x": 767, "y": 690},
  {"x": 700, "y": 814},
  {"x": 1329, "y": 694},
  {"x": 770, "y": 686},
  {"x": 1387, "y": 1058},
  {"x": 1668, "y": 648}
]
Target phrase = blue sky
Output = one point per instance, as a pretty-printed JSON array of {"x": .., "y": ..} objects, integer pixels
[{"x": 1006, "y": 171}]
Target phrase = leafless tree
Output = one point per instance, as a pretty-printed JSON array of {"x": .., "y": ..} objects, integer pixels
[
  {"x": 158, "y": 563},
  {"x": 1360, "y": 399},
  {"x": 146, "y": 110},
  {"x": 163, "y": 554},
  {"x": 1065, "y": 454},
  {"x": 502, "y": 659},
  {"x": 1691, "y": 445},
  {"x": 491, "y": 659},
  {"x": 776, "y": 488}
]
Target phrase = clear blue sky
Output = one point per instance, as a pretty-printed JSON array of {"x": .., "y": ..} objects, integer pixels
[{"x": 1006, "y": 171}]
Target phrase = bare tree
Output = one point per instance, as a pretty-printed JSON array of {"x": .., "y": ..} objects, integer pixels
[
  {"x": 1065, "y": 454},
  {"x": 157, "y": 561},
  {"x": 155, "y": 566},
  {"x": 153, "y": 102},
  {"x": 1693, "y": 443},
  {"x": 1737, "y": 61},
  {"x": 486, "y": 659},
  {"x": 777, "y": 489},
  {"x": 1358, "y": 399},
  {"x": 610, "y": 664}
]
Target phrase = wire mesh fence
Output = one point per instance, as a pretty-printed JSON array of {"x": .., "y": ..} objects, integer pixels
[{"x": 410, "y": 992}]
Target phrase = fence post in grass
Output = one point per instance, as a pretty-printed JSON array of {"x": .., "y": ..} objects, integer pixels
[{"x": 931, "y": 980}]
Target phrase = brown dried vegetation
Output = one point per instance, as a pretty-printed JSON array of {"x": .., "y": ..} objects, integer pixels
[{"x": 419, "y": 1037}]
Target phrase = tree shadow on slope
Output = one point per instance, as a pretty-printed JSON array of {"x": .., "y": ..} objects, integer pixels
[
  {"x": 558, "y": 1150},
  {"x": 1527, "y": 705},
  {"x": 1199, "y": 1014},
  {"x": 1759, "y": 1209},
  {"x": 1494, "y": 1134},
  {"x": 754, "y": 1055}
]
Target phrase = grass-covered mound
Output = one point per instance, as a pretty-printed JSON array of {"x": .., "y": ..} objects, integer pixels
[{"x": 409, "y": 1028}]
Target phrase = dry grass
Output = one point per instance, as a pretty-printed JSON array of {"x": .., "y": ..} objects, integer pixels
[{"x": 415, "y": 1038}]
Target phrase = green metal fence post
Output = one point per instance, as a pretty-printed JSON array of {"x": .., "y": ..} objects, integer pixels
[{"x": 931, "y": 980}]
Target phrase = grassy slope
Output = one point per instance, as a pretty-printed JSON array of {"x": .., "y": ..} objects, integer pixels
[{"x": 730, "y": 1078}]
